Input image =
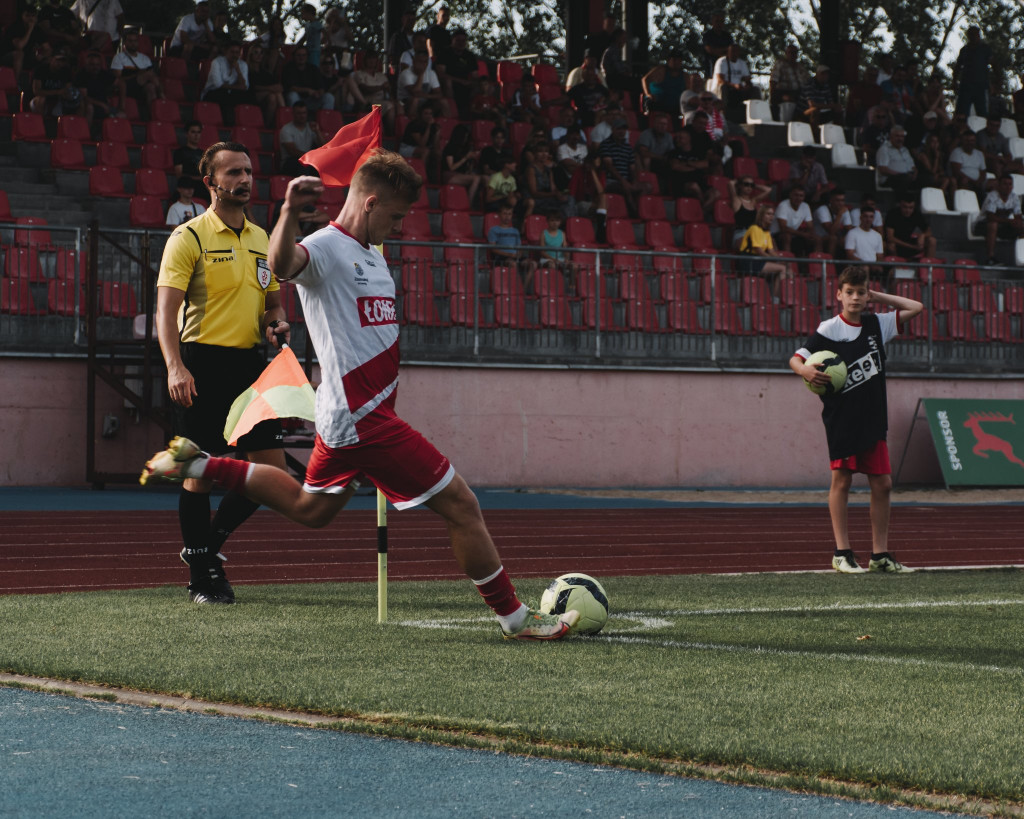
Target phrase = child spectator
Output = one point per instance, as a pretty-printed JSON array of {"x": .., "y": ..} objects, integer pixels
[
  {"x": 525, "y": 102},
  {"x": 486, "y": 104},
  {"x": 506, "y": 241},
  {"x": 503, "y": 190},
  {"x": 552, "y": 238},
  {"x": 186, "y": 157},
  {"x": 931, "y": 164},
  {"x": 312, "y": 32},
  {"x": 856, "y": 419},
  {"x": 757, "y": 241},
  {"x": 184, "y": 209}
]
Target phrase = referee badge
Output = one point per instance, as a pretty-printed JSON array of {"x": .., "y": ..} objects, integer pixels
[{"x": 263, "y": 273}]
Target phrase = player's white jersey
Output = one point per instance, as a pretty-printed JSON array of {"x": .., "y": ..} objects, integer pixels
[
  {"x": 839, "y": 329},
  {"x": 348, "y": 299}
]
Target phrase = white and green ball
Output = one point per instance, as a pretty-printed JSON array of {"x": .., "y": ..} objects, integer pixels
[
  {"x": 577, "y": 592},
  {"x": 833, "y": 366}
]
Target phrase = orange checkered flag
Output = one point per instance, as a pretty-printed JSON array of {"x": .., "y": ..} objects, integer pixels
[{"x": 282, "y": 391}]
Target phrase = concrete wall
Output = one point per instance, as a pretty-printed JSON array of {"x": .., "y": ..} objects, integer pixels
[{"x": 506, "y": 427}]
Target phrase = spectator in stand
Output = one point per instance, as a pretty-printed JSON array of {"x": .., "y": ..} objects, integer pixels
[
  {"x": 494, "y": 156},
  {"x": 540, "y": 184},
  {"x": 60, "y": 26},
  {"x": 907, "y": 232},
  {"x": 566, "y": 123},
  {"x": 525, "y": 103},
  {"x": 703, "y": 144},
  {"x": 886, "y": 67},
  {"x": 19, "y": 41},
  {"x": 996, "y": 148},
  {"x": 664, "y": 85},
  {"x": 438, "y": 38},
  {"x": 819, "y": 99},
  {"x": 459, "y": 163},
  {"x": 369, "y": 86},
  {"x": 688, "y": 170},
  {"x": 1003, "y": 219},
  {"x": 733, "y": 84},
  {"x": 864, "y": 243},
  {"x": 422, "y": 137},
  {"x": 227, "y": 84},
  {"x": 338, "y": 36},
  {"x": 875, "y": 133},
  {"x": 898, "y": 90},
  {"x": 459, "y": 70},
  {"x": 932, "y": 163},
  {"x": 932, "y": 98},
  {"x": 757, "y": 241},
  {"x": 303, "y": 81},
  {"x": 894, "y": 163},
  {"x": 312, "y": 32},
  {"x": 102, "y": 21},
  {"x": 618, "y": 76},
  {"x": 589, "y": 97},
  {"x": 654, "y": 144},
  {"x": 967, "y": 165},
  {"x": 99, "y": 88},
  {"x": 745, "y": 197},
  {"x": 868, "y": 202},
  {"x": 222, "y": 31},
  {"x": 998, "y": 104},
  {"x": 622, "y": 167},
  {"x": 552, "y": 238},
  {"x": 794, "y": 225},
  {"x": 570, "y": 157},
  {"x": 863, "y": 96},
  {"x": 715, "y": 124},
  {"x": 970, "y": 74},
  {"x": 786, "y": 84},
  {"x": 420, "y": 85},
  {"x": 602, "y": 126},
  {"x": 715, "y": 42},
  {"x": 592, "y": 62},
  {"x": 832, "y": 221},
  {"x": 419, "y": 44},
  {"x": 402, "y": 41},
  {"x": 184, "y": 208},
  {"x": 929, "y": 125},
  {"x": 194, "y": 38},
  {"x": 334, "y": 83},
  {"x": 186, "y": 157},
  {"x": 587, "y": 188},
  {"x": 134, "y": 72},
  {"x": 54, "y": 94},
  {"x": 952, "y": 135},
  {"x": 297, "y": 137},
  {"x": 274, "y": 39},
  {"x": 267, "y": 90},
  {"x": 486, "y": 103},
  {"x": 809, "y": 174},
  {"x": 503, "y": 190},
  {"x": 506, "y": 243}
]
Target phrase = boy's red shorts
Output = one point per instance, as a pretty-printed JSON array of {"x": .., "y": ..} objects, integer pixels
[
  {"x": 400, "y": 462},
  {"x": 874, "y": 461}
]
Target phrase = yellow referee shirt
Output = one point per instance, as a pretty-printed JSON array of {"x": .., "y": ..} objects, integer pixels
[{"x": 225, "y": 277}]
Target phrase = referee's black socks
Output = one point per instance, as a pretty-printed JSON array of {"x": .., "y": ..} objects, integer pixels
[
  {"x": 194, "y": 517},
  {"x": 234, "y": 510}
]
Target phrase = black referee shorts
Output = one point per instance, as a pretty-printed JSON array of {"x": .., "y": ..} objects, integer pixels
[{"x": 221, "y": 375}]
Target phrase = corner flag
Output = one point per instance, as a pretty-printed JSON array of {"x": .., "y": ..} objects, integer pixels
[
  {"x": 281, "y": 391},
  {"x": 354, "y": 143}
]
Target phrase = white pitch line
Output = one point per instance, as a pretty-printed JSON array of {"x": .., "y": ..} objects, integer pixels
[{"x": 910, "y": 604}]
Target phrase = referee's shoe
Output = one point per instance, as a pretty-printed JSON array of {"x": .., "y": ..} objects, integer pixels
[{"x": 211, "y": 585}]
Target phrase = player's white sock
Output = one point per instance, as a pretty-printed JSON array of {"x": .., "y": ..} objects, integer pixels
[
  {"x": 512, "y": 622},
  {"x": 196, "y": 467}
]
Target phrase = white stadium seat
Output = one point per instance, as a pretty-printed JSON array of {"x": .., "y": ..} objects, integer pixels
[
  {"x": 844, "y": 156},
  {"x": 966, "y": 202},
  {"x": 1017, "y": 147},
  {"x": 1008, "y": 128},
  {"x": 975, "y": 123},
  {"x": 759, "y": 112},
  {"x": 799, "y": 134},
  {"x": 933, "y": 200},
  {"x": 832, "y": 135}
]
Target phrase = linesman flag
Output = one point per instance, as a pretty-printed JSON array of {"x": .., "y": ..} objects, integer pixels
[
  {"x": 281, "y": 391},
  {"x": 339, "y": 159}
]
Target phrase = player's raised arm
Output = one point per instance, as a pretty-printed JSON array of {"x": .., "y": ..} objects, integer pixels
[
  {"x": 285, "y": 261},
  {"x": 907, "y": 308}
]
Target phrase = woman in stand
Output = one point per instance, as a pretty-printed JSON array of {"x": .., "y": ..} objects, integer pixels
[
  {"x": 745, "y": 196},
  {"x": 757, "y": 241},
  {"x": 458, "y": 163}
]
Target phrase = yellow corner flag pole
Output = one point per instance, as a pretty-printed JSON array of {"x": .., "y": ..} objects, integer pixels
[{"x": 382, "y": 557}]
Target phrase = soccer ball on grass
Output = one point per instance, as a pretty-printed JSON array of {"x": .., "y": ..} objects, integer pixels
[{"x": 577, "y": 592}]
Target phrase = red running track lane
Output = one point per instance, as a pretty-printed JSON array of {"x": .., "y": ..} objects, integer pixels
[{"x": 86, "y": 551}]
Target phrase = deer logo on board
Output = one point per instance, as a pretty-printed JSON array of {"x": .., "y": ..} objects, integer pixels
[{"x": 986, "y": 441}]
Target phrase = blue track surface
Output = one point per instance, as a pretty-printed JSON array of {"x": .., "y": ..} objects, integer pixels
[{"x": 61, "y": 756}]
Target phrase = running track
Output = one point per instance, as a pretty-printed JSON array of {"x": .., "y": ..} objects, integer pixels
[{"x": 91, "y": 550}]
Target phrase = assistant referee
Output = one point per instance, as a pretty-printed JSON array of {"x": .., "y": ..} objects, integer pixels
[{"x": 216, "y": 301}]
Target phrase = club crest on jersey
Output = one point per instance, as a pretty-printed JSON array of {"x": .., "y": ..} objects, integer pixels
[
  {"x": 263, "y": 273},
  {"x": 375, "y": 311},
  {"x": 360, "y": 276},
  {"x": 862, "y": 370}
]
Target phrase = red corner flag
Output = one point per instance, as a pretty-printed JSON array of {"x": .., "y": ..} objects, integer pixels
[{"x": 338, "y": 160}]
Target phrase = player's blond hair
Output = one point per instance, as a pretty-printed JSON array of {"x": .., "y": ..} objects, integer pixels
[{"x": 388, "y": 173}]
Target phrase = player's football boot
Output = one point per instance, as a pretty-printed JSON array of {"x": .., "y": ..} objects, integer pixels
[
  {"x": 847, "y": 564},
  {"x": 169, "y": 465},
  {"x": 211, "y": 585},
  {"x": 538, "y": 626},
  {"x": 886, "y": 563}
]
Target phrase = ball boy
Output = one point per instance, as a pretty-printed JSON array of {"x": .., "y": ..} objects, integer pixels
[{"x": 856, "y": 418}]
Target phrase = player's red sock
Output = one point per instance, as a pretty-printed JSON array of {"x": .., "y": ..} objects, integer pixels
[
  {"x": 228, "y": 472},
  {"x": 499, "y": 593}
]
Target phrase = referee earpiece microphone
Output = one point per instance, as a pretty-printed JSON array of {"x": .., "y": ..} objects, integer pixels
[{"x": 235, "y": 192}]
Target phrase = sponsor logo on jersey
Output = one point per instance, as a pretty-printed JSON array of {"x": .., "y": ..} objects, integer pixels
[
  {"x": 360, "y": 276},
  {"x": 862, "y": 370},
  {"x": 376, "y": 310}
]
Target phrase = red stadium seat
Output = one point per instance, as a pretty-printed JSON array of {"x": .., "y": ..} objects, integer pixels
[
  {"x": 460, "y": 306},
  {"x": 117, "y": 299},
  {"x": 697, "y": 236},
  {"x": 174, "y": 89},
  {"x": 620, "y": 235},
  {"x": 506, "y": 281},
  {"x": 146, "y": 212},
  {"x": 114, "y": 155},
  {"x": 510, "y": 311},
  {"x": 689, "y": 209},
  {"x": 16, "y": 297},
  {"x": 106, "y": 181},
  {"x": 641, "y": 314},
  {"x": 165, "y": 110},
  {"x": 416, "y": 225},
  {"x": 158, "y": 157},
  {"x": 651, "y": 208},
  {"x": 456, "y": 225},
  {"x": 544, "y": 73},
  {"x": 161, "y": 133},
  {"x": 28, "y": 127},
  {"x": 579, "y": 232},
  {"x": 764, "y": 319},
  {"x": 22, "y": 263},
  {"x": 549, "y": 281},
  {"x": 419, "y": 308},
  {"x": 173, "y": 68},
  {"x": 510, "y": 72},
  {"x": 39, "y": 238},
  {"x": 329, "y": 122},
  {"x": 454, "y": 197},
  {"x": 150, "y": 182},
  {"x": 68, "y": 264},
  {"x": 60, "y": 297},
  {"x": 533, "y": 226},
  {"x": 67, "y": 154},
  {"x": 658, "y": 235},
  {"x": 210, "y": 135},
  {"x": 683, "y": 317},
  {"x": 249, "y": 116},
  {"x": 118, "y": 129},
  {"x": 73, "y": 127},
  {"x": 208, "y": 113},
  {"x": 744, "y": 166},
  {"x": 554, "y": 311},
  {"x": 5, "y": 207},
  {"x": 617, "y": 208}
]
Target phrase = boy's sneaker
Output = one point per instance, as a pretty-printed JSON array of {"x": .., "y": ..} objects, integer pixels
[
  {"x": 168, "y": 465},
  {"x": 847, "y": 564},
  {"x": 213, "y": 588},
  {"x": 539, "y": 626},
  {"x": 887, "y": 563}
]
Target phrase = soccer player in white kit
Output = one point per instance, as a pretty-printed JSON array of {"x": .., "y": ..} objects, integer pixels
[{"x": 348, "y": 298}]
